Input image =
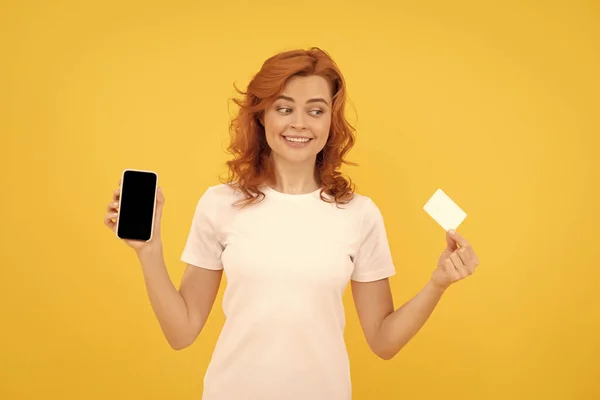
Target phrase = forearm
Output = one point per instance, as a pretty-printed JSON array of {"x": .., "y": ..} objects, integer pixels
[
  {"x": 166, "y": 301},
  {"x": 399, "y": 327}
]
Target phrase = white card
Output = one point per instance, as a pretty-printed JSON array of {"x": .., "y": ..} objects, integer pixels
[{"x": 444, "y": 211}]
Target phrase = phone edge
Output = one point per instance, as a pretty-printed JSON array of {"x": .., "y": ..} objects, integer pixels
[{"x": 121, "y": 197}]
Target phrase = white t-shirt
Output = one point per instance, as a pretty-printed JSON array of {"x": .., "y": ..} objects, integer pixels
[{"x": 287, "y": 261}]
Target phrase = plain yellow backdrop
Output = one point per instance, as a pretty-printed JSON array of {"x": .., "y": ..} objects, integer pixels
[{"x": 494, "y": 102}]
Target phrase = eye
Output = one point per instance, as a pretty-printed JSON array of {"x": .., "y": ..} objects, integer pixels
[
  {"x": 316, "y": 113},
  {"x": 284, "y": 110}
]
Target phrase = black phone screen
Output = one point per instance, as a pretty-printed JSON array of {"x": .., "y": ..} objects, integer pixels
[{"x": 136, "y": 205}]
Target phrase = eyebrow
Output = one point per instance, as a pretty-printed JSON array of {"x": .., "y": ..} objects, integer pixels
[{"x": 313, "y": 100}]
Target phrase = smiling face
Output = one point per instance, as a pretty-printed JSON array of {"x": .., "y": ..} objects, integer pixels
[{"x": 297, "y": 123}]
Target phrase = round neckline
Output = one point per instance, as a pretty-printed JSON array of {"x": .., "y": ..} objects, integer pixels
[{"x": 269, "y": 189}]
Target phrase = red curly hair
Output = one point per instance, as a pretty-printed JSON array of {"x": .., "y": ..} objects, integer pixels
[{"x": 252, "y": 165}]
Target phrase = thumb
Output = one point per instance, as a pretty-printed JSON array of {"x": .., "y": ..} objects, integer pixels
[
  {"x": 160, "y": 201},
  {"x": 451, "y": 242}
]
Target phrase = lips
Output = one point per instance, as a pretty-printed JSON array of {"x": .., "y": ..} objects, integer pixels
[
  {"x": 296, "y": 141},
  {"x": 297, "y": 138}
]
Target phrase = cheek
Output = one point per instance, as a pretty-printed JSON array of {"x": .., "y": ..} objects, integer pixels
[
  {"x": 269, "y": 129},
  {"x": 274, "y": 125},
  {"x": 322, "y": 128}
]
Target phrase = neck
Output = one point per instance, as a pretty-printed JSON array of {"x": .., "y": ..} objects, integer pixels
[{"x": 294, "y": 178}]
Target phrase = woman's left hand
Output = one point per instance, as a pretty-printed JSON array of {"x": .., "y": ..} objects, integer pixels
[{"x": 456, "y": 262}]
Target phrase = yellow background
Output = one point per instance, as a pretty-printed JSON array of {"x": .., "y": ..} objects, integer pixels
[{"x": 495, "y": 102}]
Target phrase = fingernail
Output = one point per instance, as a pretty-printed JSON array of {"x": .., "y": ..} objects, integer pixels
[{"x": 452, "y": 231}]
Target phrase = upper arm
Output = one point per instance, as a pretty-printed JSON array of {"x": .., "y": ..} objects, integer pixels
[
  {"x": 373, "y": 302},
  {"x": 373, "y": 258},
  {"x": 202, "y": 253},
  {"x": 199, "y": 288},
  {"x": 373, "y": 265}
]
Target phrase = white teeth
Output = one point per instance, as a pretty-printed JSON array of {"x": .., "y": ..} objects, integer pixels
[{"x": 299, "y": 140}]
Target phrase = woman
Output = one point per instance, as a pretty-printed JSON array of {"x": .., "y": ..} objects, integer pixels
[{"x": 290, "y": 233}]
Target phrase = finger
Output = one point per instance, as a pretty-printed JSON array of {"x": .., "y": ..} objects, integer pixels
[
  {"x": 465, "y": 256},
  {"x": 116, "y": 194},
  {"x": 160, "y": 201},
  {"x": 112, "y": 206},
  {"x": 450, "y": 242},
  {"x": 451, "y": 270},
  {"x": 458, "y": 264},
  {"x": 456, "y": 237},
  {"x": 108, "y": 220},
  {"x": 160, "y": 197},
  {"x": 464, "y": 244}
]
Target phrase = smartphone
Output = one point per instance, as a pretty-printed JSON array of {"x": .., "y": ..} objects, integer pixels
[{"x": 137, "y": 205}]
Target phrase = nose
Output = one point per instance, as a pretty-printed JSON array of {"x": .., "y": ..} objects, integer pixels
[{"x": 298, "y": 122}]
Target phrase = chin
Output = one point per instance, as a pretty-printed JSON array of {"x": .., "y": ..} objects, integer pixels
[
  {"x": 297, "y": 158},
  {"x": 294, "y": 156}
]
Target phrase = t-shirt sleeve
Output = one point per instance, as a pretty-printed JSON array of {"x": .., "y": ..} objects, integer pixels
[
  {"x": 373, "y": 259},
  {"x": 203, "y": 248}
]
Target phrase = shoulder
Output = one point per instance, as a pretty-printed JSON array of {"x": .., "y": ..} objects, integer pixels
[
  {"x": 221, "y": 193},
  {"x": 217, "y": 198},
  {"x": 368, "y": 211},
  {"x": 363, "y": 204}
]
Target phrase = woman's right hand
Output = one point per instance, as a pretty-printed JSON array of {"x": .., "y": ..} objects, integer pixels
[{"x": 110, "y": 220}]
